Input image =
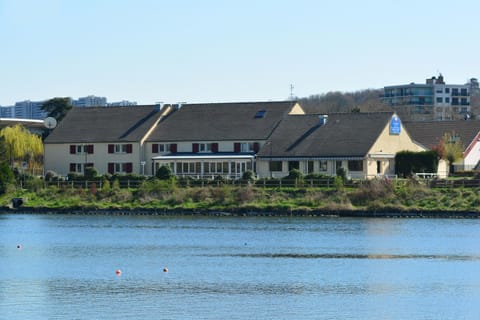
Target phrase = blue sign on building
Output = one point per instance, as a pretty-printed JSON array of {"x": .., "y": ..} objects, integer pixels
[{"x": 395, "y": 125}]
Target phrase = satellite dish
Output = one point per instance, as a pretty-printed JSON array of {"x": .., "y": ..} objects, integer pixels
[{"x": 50, "y": 123}]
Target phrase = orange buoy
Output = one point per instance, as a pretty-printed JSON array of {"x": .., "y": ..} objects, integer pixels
[
  {"x": 165, "y": 269},
  {"x": 118, "y": 272}
]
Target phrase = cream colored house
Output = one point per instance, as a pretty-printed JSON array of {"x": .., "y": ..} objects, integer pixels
[
  {"x": 215, "y": 139},
  {"x": 110, "y": 139},
  {"x": 364, "y": 144}
]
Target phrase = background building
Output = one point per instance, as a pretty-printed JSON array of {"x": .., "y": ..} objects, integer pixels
[
  {"x": 90, "y": 101},
  {"x": 29, "y": 110},
  {"x": 434, "y": 100}
]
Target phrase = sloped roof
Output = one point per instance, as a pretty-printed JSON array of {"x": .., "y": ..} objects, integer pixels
[
  {"x": 343, "y": 135},
  {"x": 429, "y": 133},
  {"x": 222, "y": 121},
  {"x": 104, "y": 124}
]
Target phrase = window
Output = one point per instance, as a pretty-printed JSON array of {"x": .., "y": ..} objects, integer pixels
[
  {"x": 120, "y": 167},
  {"x": 204, "y": 147},
  {"x": 355, "y": 165},
  {"x": 80, "y": 167},
  {"x": 455, "y": 101},
  {"x": 160, "y": 147},
  {"x": 81, "y": 148},
  {"x": 464, "y": 92},
  {"x": 246, "y": 147},
  {"x": 293, "y": 165},
  {"x": 120, "y": 148},
  {"x": 309, "y": 166},
  {"x": 447, "y": 100},
  {"x": 275, "y": 166},
  {"x": 260, "y": 114},
  {"x": 464, "y": 102},
  {"x": 323, "y": 165},
  {"x": 447, "y": 90},
  {"x": 440, "y": 100}
]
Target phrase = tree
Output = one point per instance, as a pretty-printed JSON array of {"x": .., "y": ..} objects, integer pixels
[
  {"x": 3, "y": 151},
  {"x": 21, "y": 145},
  {"x": 6, "y": 177},
  {"x": 57, "y": 107},
  {"x": 450, "y": 148}
]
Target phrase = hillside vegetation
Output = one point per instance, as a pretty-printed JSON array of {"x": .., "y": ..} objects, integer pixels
[{"x": 375, "y": 195}]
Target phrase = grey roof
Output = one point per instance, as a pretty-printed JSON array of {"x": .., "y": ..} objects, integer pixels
[
  {"x": 104, "y": 124},
  {"x": 429, "y": 133},
  {"x": 343, "y": 135},
  {"x": 221, "y": 121}
]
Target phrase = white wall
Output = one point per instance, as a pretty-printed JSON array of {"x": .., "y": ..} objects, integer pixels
[{"x": 58, "y": 158}]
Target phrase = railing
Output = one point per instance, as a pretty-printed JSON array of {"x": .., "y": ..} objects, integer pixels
[
  {"x": 426, "y": 175},
  {"x": 328, "y": 183}
]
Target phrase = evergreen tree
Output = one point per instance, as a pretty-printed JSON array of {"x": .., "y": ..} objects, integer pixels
[{"x": 57, "y": 107}]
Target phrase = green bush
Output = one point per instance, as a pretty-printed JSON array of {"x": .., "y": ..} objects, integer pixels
[
  {"x": 6, "y": 177},
  {"x": 248, "y": 176},
  {"x": 409, "y": 162},
  {"x": 90, "y": 173},
  {"x": 164, "y": 173}
]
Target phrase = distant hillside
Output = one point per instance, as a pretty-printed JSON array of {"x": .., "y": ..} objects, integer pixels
[{"x": 363, "y": 101}]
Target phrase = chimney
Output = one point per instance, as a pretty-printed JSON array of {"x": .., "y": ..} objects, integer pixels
[
  {"x": 159, "y": 105},
  {"x": 322, "y": 119},
  {"x": 179, "y": 105}
]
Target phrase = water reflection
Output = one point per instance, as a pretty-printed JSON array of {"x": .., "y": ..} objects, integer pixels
[
  {"x": 348, "y": 256},
  {"x": 238, "y": 268}
]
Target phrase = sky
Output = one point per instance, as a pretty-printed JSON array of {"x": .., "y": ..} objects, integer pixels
[{"x": 191, "y": 51}]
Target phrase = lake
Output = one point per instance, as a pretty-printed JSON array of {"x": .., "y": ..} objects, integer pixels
[{"x": 65, "y": 267}]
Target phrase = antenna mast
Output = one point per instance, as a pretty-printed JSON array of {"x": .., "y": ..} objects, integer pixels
[{"x": 292, "y": 97}]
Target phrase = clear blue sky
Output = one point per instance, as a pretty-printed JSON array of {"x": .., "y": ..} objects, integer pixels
[{"x": 221, "y": 50}]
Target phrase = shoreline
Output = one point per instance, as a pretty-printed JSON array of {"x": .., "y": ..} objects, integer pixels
[{"x": 391, "y": 213}]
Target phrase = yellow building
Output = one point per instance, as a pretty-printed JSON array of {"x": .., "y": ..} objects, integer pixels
[{"x": 363, "y": 144}]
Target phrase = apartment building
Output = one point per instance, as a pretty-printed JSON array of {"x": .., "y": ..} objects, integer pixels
[{"x": 433, "y": 100}]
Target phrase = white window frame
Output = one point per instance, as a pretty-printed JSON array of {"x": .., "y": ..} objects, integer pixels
[
  {"x": 246, "y": 147},
  {"x": 120, "y": 167},
  {"x": 120, "y": 148},
  {"x": 205, "y": 147},
  {"x": 163, "y": 147},
  {"x": 81, "y": 149},
  {"x": 320, "y": 165}
]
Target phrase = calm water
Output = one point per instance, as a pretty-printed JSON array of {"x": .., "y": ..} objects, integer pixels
[{"x": 238, "y": 268}]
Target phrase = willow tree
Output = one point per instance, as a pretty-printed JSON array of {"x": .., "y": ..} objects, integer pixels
[{"x": 22, "y": 146}]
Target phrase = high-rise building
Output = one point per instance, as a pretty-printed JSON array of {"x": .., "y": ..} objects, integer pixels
[
  {"x": 90, "y": 101},
  {"x": 6, "y": 112},
  {"x": 29, "y": 110},
  {"x": 123, "y": 103},
  {"x": 434, "y": 100}
]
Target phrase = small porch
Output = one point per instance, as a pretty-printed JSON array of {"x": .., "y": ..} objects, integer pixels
[{"x": 206, "y": 166}]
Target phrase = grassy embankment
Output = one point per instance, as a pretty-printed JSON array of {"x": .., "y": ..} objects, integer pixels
[{"x": 401, "y": 195}]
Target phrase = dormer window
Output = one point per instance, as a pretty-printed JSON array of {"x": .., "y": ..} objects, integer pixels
[{"x": 260, "y": 114}]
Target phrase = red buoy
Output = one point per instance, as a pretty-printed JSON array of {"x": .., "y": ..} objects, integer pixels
[
  {"x": 165, "y": 269},
  {"x": 118, "y": 272}
]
